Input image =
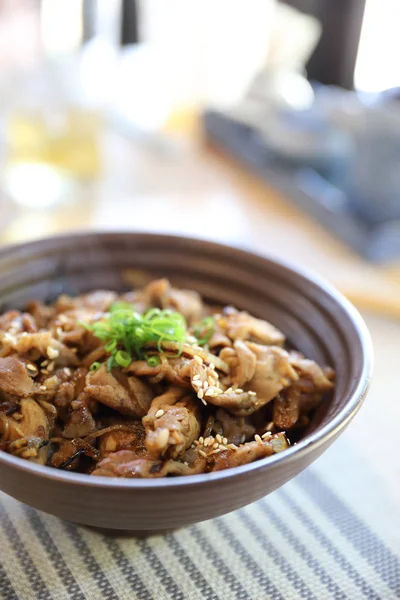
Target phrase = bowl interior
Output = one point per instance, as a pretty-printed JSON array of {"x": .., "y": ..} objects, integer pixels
[{"x": 316, "y": 320}]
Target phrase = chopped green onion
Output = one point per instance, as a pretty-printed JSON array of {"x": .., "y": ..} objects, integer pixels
[
  {"x": 204, "y": 331},
  {"x": 126, "y": 333},
  {"x": 123, "y": 358},
  {"x": 153, "y": 361},
  {"x": 94, "y": 366}
]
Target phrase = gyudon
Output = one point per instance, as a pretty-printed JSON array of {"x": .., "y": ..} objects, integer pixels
[{"x": 151, "y": 383}]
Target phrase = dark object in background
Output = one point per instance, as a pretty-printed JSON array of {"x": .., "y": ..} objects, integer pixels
[
  {"x": 129, "y": 23},
  {"x": 334, "y": 59},
  {"x": 363, "y": 224}
]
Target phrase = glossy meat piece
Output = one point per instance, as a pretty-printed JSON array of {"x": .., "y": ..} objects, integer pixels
[
  {"x": 161, "y": 294},
  {"x": 129, "y": 396},
  {"x": 242, "y": 362},
  {"x": 126, "y": 464},
  {"x": 14, "y": 378},
  {"x": 248, "y": 453},
  {"x": 80, "y": 422},
  {"x": 172, "y": 425},
  {"x": 286, "y": 408},
  {"x": 310, "y": 371},
  {"x": 237, "y": 430},
  {"x": 124, "y": 439},
  {"x": 242, "y": 326}
]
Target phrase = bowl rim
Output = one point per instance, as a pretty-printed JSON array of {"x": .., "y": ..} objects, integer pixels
[{"x": 301, "y": 449}]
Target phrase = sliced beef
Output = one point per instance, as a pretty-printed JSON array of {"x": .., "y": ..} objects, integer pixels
[
  {"x": 129, "y": 396},
  {"x": 14, "y": 378},
  {"x": 242, "y": 326}
]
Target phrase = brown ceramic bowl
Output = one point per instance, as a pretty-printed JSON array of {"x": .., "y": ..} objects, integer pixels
[{"x": 316, "y": 319}]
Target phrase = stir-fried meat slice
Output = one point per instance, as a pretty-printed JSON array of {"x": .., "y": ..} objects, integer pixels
[
  {"x": 311, "y": 372},
  {"x": 204, "y": 380},
  {"x": 69, "y": 452},
  {"x": 80, "y": 422},
  {"x": 42, "y": 344},
  {"x": 173, "y": 370},
  {"x": 128, "y": 395},
  {"x": 14, "y": 378},
  {"x": 126, "y": 464},
  {"x": 247, "y": 453},
  {"x": 273, "y": 372},
  {"x": 172, "y": 425},
  {"x": 242, "y": 326},
  {"x": 160, "y": 294},
  {"x": 31, "y": 422},
  {"x": 286, "y": 408},
  {"x": 219, "y": 340},
  {"x": 40, "y": 312},
  {"x": 242, "y": 362},
  {"x": 132, "y": 438},
  {"x": 237, "y": 430},
  {"x": 100, "y": 300},
  {"x": 14, "y": 322}
]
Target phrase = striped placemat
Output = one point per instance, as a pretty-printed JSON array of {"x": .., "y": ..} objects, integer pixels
[{"x": 303, "y": 541}]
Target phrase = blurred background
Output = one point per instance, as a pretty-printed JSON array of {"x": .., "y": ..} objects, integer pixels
[{"x": 264, "y": 124}]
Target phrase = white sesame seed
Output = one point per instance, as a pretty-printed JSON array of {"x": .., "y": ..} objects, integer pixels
[
  {"x": 267, "y": 434},
  {"x": 218, "y": 437},
  {"x": 205, "y": 385},
  {"x": 232, "y": 446},
  {"x": 32, "y": 368},
  {"x": 225, "y": 441},
  {"x": 185, "y": 463},
  {"x": 212, "y": 366},
  {"x": 218, "y": 391},
  {"x": 52, "y": 352},
  {"x": 203, "y": 454},
  {"x": 238, "y": 391},
  {"x": 215, "y": 445},
  {"x": 44, "y": 371},
  {"x": 50, "y": 366},
  {"x": 42, "y": 387},
  {"x": 67, "y": 371},
  {"x": 159, "y": 413},
  {"x": 196, "y": 384},
  {"x": 198, "y": 359},
  {"x": 44, "y": 363},
  {"x": 258, "y": 439},
  {"x": 252, "y": 393},
  {"x": 203, "y": 401},
  {"x": 210, "y": 393},
  {"x": 196, "y": 377},
  {"x": 59, "y": 331},
  {"x": 200, "y": 394},
  {"x": 211, "y": 380},
  {"x": 229, "y": 390},
  {"x": 201, "y": 440}
]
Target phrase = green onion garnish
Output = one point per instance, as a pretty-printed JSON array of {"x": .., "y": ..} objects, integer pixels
[
  {"x": 94, "y": 366},
  {"x": 126, "y": 333},
  {"x": 204, "y": 331},
  {"x": 153, "y": 361}
]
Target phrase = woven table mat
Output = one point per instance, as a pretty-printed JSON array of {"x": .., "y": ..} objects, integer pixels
[{"x": 331, "y": 533}]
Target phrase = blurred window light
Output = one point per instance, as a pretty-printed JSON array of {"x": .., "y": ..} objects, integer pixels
[
  {"x": 61, "y": 25},
  {"x": 377, "y": 67}
]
